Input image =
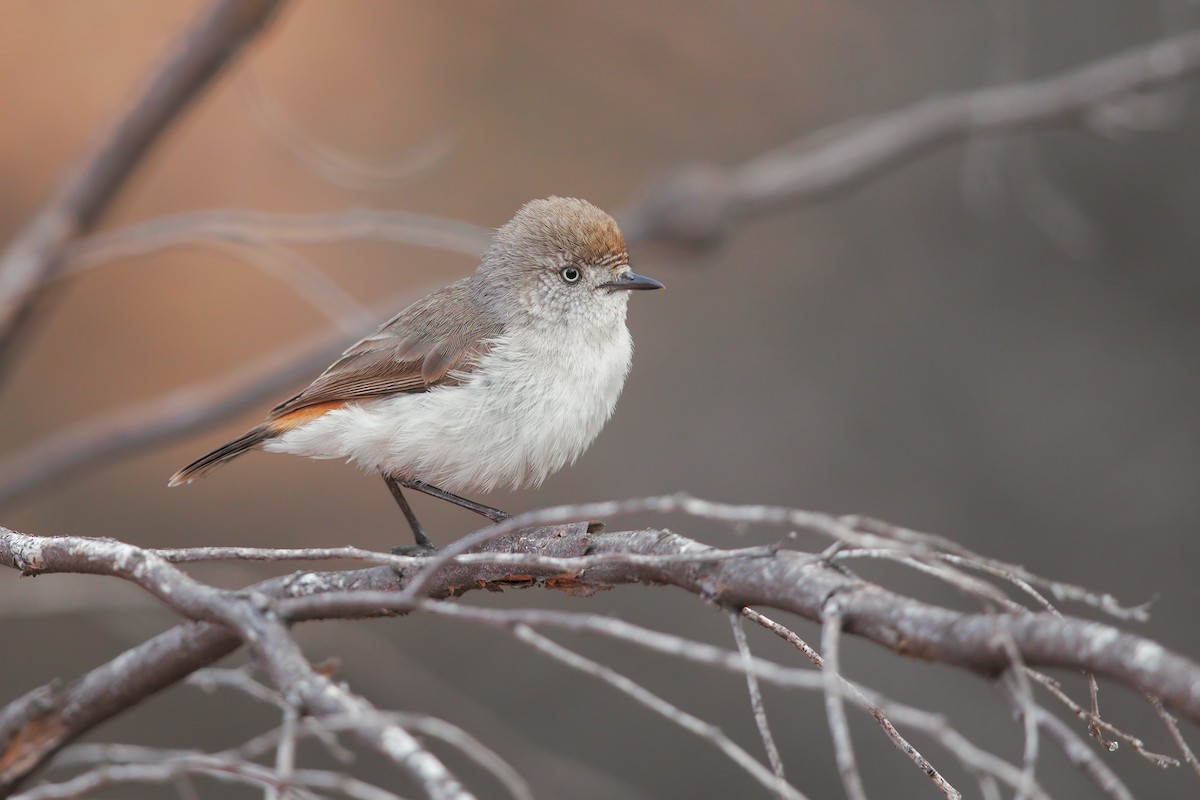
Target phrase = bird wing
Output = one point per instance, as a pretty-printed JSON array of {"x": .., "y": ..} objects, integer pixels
[{"x": 428, "y": 344}]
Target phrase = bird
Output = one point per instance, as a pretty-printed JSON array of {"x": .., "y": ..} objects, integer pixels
[{"x": 500, "y": 378}]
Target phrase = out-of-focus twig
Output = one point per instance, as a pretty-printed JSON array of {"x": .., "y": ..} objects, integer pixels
[
  {"x": 249, "y": 227},
  {"x": 832, "y": 619},
  {"x": 137, "y": 427},
  {"x": 332, "y": 164},
  {"x": 85, "y": 191},
  {"x": 699, "y": 205}
]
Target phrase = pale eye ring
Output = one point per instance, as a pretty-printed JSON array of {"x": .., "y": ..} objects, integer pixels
[{"x": 570, "y": 274}]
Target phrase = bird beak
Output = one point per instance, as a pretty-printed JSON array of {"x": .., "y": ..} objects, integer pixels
[{"x": 631, "y": 280}]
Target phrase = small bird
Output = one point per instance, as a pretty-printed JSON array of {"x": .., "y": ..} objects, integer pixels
[{"x": 499, "y": 378}]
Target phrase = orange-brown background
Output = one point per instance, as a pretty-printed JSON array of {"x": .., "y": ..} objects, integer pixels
[{"x": 890, "y": 352}]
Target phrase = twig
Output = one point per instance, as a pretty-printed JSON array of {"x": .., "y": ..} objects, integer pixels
[
  {"x": 1055, "y": 688},
  {"x": 944, "y": 549},
  {"x": 756, "y": 700},
  {"x": 968, "y": 585},
  {"x": 285, "y": 755},
  {"x": 249, "y": 227},
  {"x": 85, "y": 191},
  {"x": 1015, "y": 683},
  {"x": 332, "y": 164},
  {"x": 303, "y": 277},
  {"x": 644, "y": 696},
  {"x": 1094, "y": 722},
  {"x": 874, "y": 710},
  {"x": 220, "y": 767},
  {"x": 1082, "y": 756},
  {"x": 835, "y": 709},
  {"x": 1173, "y": 729},
  {"x": 985, "y": 766},
  {"x": 210, "y": 679}
]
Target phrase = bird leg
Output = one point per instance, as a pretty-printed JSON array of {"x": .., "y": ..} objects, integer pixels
[
  {"x": 423, "y": 543},
  {"x": 494, "y": 514}
]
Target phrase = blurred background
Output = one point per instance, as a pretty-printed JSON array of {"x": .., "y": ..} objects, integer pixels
[{"x": 996, "y": 342}]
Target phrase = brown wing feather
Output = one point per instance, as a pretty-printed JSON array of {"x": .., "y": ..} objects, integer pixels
[{"x": 412, "y": 352}]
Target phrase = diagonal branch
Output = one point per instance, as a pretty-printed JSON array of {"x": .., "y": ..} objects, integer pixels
[
  {"x": 85, "y": 191},
  {"x": 137, "y": 427},
  {"x": 699, "y": 205}
]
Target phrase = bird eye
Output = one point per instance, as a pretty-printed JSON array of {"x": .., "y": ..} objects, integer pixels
[{"x": 570, "y": 274}]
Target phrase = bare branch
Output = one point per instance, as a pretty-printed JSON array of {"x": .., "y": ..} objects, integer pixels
[
  {"x": 697, "y": 206},
  {"x": 84, "y": 192},
  {"x": 795, "y": 582}
]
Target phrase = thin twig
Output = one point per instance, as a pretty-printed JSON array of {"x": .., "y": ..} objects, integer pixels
[
  {"x": 1176, "y": 735},
  {"x": 1015, "y": 684},
  {"x": 756, "y": 699},
  {"x": 944, "y": 549},
  {"x": 332, "y": 164},
  {"x": 285, "y": 754},
  {"x": 249, "y": 227},
  {"x": 1139, "y": 747},
  {"x": 902, "y": 744},
  {"x": 645, "y": 697},
  {"x": 223, "y": 768},
  {"x": 1094, "y": 722},
  {"x": 833, "y": 617},
  {"x": 1082, "y": 756}
]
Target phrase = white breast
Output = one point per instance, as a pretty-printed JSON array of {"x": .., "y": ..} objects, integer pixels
[{"x": 533, "y": 404}]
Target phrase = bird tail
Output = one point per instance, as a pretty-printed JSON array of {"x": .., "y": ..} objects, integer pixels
[{"x": 226, "y": 452}]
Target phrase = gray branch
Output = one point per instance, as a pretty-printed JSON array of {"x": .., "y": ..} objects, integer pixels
[
  {"x": 701, "y": 204},
  {"x": 34, "y": 727}
]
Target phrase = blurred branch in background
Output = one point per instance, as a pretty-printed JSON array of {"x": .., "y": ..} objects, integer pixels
[
  {"x": 1005, "y": 640},
  {"x": 35, "y": 257},
  {"x": 701, "y": 204},
  {"x": 135, "y": 427}
]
